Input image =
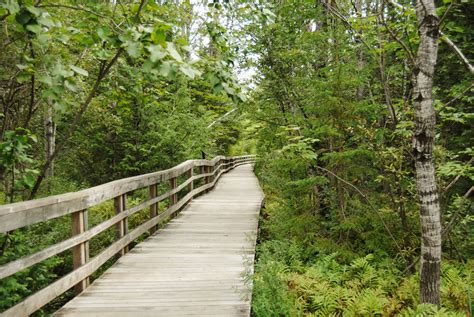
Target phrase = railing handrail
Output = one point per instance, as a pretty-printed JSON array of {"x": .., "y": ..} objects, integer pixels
[
  {"x": 26, "y": 213},
  {"x": 20, "y": 214}
]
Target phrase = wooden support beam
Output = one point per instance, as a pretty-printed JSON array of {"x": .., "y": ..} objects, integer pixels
[
  {"x": 153, "y": 208},
  {"x": 120, "y": 204},
  {"x": 190, "y": 186},
  {"x": 190, "y": 174},
  {"x": 174, "y": 197},
  {"x": 207, "y": 179},
  {"x": 80, "y": 253}
]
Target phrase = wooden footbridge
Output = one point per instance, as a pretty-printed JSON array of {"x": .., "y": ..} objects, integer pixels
[{"x": 197, "y": 264}]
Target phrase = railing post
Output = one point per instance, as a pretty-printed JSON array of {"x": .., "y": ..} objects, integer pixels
[
  {"x": 208, "y": 178},
  {"x": 153, "y": 208},
  {"x": 80, "y": 253},
  {"x": 212, "y": 169},
  {"x": 120, "y": 204},
  {"x": 174, "y": 197},
  {"x": 190, "y": 174}
]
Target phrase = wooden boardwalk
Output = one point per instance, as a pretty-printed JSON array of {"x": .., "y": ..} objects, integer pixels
[{"x": 195, "y": 266}]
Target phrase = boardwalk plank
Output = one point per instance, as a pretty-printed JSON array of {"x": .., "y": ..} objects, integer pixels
[{"x": 195, "y": 266}]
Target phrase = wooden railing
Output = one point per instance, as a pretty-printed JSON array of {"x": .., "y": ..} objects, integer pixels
[{"x": 18, "y": 215}]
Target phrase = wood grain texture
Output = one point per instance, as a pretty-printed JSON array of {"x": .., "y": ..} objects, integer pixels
[
  {"x": 22, "y": 263},
  {"x": 80, "y": 253},
  {"x": 194, "y": 266}
]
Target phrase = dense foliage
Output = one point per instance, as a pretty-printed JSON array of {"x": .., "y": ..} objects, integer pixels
[
  {"x": 93, "y": 91},
  {"x": 340, "y": 231}
]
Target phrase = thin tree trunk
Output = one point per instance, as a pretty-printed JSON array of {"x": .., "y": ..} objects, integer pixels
[
  {"x": 360, "y": 52},
  {"x": 423, "y": 142},
  {"x": 50, "y": 133}
]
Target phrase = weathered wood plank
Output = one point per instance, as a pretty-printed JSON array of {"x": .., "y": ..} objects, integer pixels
[
  {"x": 21, "y": 214},
  {"x": 194, "y": 266},
  {"x": 45, "y": 295},
  {"x": 152, "y": 192},
  {"x": 80, "y": 253},
  {"x": 17, "y": 265}
]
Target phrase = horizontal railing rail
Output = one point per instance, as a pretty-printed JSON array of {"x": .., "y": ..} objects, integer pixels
[{"x": 22, "y": 214}]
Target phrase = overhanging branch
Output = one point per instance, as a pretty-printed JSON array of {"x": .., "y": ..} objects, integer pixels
[{"x": 444, "y": 38}]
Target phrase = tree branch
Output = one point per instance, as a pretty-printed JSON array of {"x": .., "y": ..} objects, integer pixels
[
  {"x": 445, "y": 39},
  {"x": 221, "y": 117},
  {"x": 103, "y": 70},
  {"x": 454, "y": 181},
  {"x": 458, "y": 52},
  {"x": 456, "y": 214},
  {"x": 349, "y": 25},
  {"x": 367, "y": 200},
  {"x": 65, "y": 6}
]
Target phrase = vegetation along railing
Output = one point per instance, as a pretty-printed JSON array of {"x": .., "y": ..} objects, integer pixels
[{"x": 18, "y": 215}]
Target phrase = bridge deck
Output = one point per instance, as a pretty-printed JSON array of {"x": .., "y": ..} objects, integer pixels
[{"x": 195, "y": 266}]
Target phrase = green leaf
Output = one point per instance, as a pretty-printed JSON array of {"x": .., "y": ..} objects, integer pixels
[
  {"x": 188, "y": 71},
  {"x": 59, "y": 107},
  {"x": 70, "y": 85},
  {"x": 11, "y": 5},
  {"x": 79, "y": 70},
  {"x": 45, "y": 21},
  {"x": 213, "y": 79},
  {"x": 173, "y": 52},
  {"x": 242, "y": 97},
  {"x": 49, "y": 94},
  {"x": 158, "y": 36},
  {"x": 35, "y": 28},
  {"x": 148, "y": 66},
  {"x": 60, "y": 71},
  {"x": 34, "y": 10},
  {"x": 33, "y": 138},
  {"x": 104, "y": 33},
  {"x": 228, "y": 89},
  {"x": 46, "y": 79},
  {"x": 44, "y": 39},
  {"x": 23, "y": 77},
  {"x": 133, "y": 48},
  {"x": 29, "y": 180},
  {"x": 218, "y": 88},
  {"x": 156, "y": 53},
  {"x": 103, "y": 54},
  {"x": 165, "y": 69}
]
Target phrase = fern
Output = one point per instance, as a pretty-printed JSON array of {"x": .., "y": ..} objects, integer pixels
[{"x": 423, "y": 310}]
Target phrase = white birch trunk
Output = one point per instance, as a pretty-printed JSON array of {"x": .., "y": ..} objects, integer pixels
[
  {"x": 423, "y": 142},
  {"x": 50, "y": 133}
]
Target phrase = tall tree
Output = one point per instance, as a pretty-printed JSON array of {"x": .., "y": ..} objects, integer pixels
[{"x": 423, "y": 143}]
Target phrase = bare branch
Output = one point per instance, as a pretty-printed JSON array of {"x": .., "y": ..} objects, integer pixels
[
  {"x": 64, "y": 6},
  {"x": 103, "y": 70},
  {"x": 341, "y": 17},
  {"x": 399, "y": 41},
  {"x": 445, "y": 39},
  {"x": 454, "y": 181},
  {"x": 222, "y": 117},
  {"x": 367, "y": 200},
  {"x": 458, "y": 52},
  {"x": 456, "y": 213}
]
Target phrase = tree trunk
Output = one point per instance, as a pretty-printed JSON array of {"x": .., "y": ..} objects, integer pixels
[
  {"x": 50, "y": 133},
  {"x": 423, "y": 142},
  {"x": 360, "y": 52}
]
